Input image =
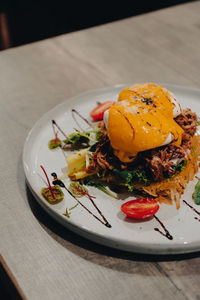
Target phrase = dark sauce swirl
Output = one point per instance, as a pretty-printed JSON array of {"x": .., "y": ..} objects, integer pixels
[
  {"x": 196, "y": 211},
  {"x": 166, "y": 232},
  {"x": 57, "y": 181}
]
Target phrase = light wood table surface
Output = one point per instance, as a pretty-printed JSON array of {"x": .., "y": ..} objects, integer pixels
[{"x": 48, "y": 261}]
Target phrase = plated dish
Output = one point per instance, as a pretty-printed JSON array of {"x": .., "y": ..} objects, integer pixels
[{"x": 84, "y": 211}]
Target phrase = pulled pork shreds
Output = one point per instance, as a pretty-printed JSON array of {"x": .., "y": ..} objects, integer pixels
[
  {"x": 187, "y": 120},
  {"x": 99, "y": 158},
  {"x": 103, "y": 158},
  {"x": 158, "y": 162},
  {"x": 104, "y": 135},
  {"x": 186, "y": 141}
]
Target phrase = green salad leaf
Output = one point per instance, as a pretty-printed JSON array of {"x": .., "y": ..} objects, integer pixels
[
  {"x": 130, "y": 177},
  {"x": 77, "y": 189},
  {"x": 99, "y": 186},
  {"x": 196, "y": 194},
  {"x": 79, "y": 138},
  {"x": 178, "y": 168}
]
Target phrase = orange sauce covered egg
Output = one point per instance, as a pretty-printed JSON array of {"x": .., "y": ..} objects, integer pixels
[
  {"x": 133, "y": 126},
  {"x": 155, "y": 95}
]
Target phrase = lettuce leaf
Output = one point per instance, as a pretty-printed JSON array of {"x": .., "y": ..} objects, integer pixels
[
  {"x": 99, "y": 186},
  {"x": 129, "y": 177},
  {"x": 196, "y": 194},
  {"x": 85, "y": 137},
  {"x": 77, "y": 138}
]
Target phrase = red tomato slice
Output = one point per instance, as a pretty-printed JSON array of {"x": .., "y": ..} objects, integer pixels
[
  {"x": 97, "y": 113},
  {"x": 140, "y": 208}
]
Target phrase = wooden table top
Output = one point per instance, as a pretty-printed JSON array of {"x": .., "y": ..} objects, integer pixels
[{"x": 48, "y": 261}]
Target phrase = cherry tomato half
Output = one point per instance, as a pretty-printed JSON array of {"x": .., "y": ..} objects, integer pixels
[
  {"x": 140, "y": 208},
  {"x": 97, "y": 113}
]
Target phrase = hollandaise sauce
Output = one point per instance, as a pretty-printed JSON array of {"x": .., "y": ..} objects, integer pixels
[
  {"x": 134, "y": 126},
  {"x": 153, "y": 95}
]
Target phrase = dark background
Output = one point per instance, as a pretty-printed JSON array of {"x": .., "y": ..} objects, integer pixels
[{"x": 28, "y": 21}]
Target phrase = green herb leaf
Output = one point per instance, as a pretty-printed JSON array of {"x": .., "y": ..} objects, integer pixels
[
  {"x": 55, "y": 143},
  {"x": 73, "y": 206},
  {"x": 77, "y": 189},
  {"x": 196, "y": 194},
  {"x": 132, "y": 176},
  {"x": 99, "y": 186},
  {"x": 84, "y": 137},
  {"x": 66, "y": 214},
  {"x": 129, "y": 186},
  {"x": 178, "y": 168},
  {"x": 77, "y": 138}
]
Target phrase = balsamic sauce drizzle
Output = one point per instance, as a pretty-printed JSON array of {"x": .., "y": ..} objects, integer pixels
[
  {"x": 57, "y": 181},
  {"x": 196, "y": 211},
  {"x": 55, "y": 124},
  {"x": 74, "y": 111},
  {"x": 94, "y": 204},
  {"x": 166, "y": 234}
]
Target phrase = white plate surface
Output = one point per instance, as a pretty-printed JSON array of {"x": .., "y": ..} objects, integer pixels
[{"x": 125, "y": 234}]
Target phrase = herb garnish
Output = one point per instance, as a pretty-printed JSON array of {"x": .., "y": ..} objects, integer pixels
[
  {"x": 82, "y": 138},
  {"x": 147, "y": 101},
  {"x": 178, "y": 168},
  {"x": 196, "y": 194},
  {"x": 99, "y": 186},
  {"x": 66, "y": 214},
  {"x": 77, "y": 138},
  {"x": 78, "y": 190},
  {"x": 67, "y": 211},
  {"x": 130, "y": 177}
]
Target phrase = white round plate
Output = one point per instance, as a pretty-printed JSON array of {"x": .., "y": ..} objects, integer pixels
[{"x": 125, "y": 234}]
